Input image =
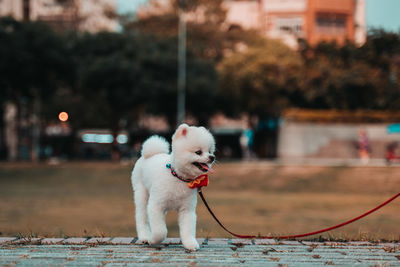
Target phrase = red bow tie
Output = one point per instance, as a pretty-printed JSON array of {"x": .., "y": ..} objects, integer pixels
[{"x": 199, "y": 182}]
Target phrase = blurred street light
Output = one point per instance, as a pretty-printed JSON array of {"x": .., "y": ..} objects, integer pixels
[
  {"x": 181, "y": 63},
  {"x": 63, "y": 116},
  {"x": 122, "y": 138},
  {"x": 97, "y": 138}
]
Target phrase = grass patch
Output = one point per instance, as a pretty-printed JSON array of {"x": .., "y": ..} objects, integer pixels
[{"x": 95, "y": 199}]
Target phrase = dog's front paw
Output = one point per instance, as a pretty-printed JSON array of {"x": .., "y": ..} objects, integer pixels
[
  {"x": 191, "y": 245},
  {"x": 143, "y": 238},
  {"x": 157, "y": 238},
  {"x": 142, "y": 242}
]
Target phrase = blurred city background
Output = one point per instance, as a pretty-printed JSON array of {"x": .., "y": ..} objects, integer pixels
[
  {"x": 271, "y": 79},
  {"x": 310, "y": 82}
]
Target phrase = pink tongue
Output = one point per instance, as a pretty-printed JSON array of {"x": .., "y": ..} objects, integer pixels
[{"x": 205, "y": 166}]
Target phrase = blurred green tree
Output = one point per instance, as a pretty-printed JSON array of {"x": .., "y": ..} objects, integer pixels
[
  {"x": 34, "y": 63},
  {"x": 120, "y": 76},
  {"x": 382, "y": 51},
  {"x": 261, "y": 79},
  {"x": 208, "y": 34},
  {"x": 350, "y": 77},
  {"x": 34, "y": 60}
]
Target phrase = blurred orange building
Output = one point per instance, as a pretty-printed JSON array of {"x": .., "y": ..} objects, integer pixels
[
  {"x": 84, "y": 15},
  {"x": 313, "y": 20}
]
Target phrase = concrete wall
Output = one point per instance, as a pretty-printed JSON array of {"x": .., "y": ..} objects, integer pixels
[
  {"x": 244, "y": 13},
  {"x": 11, "y": 8},
  {"x": 311, "y": 140}
]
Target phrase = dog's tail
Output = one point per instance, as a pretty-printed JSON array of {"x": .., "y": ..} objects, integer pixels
[{"x": 154, "y": 145}]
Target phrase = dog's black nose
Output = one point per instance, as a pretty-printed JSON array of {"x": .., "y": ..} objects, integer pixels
[{"x": 212, "y": 158}]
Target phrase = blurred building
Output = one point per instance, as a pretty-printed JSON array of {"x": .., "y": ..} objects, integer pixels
[
  {"x": 313, "y": 20},
  {"x": 332, "y": 134},
  {"x": 83, "y": 15},
  {"x": 153, "y": 7},
  {"x": 289, "y": 20}
]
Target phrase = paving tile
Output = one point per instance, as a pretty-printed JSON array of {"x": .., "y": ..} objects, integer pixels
[
  {"x": 6, "y": 239},
  {"x": 74, "y": 240},
  {"x": 218, "y": 241},
  {"x": 98, "y": 240},
  {"x": 290, "y": 242},
  {"x": 360, "y": 243},
  {"x": 265, "y": 241},
  {"x": 386, "y": 244},
  {"x": 242, "y": 241},
  {"x": 220, "y": 252},
  {"x": 51, "y": 240},
  {"x": 123, "y": 240},
  {"x": 172, "y": 240},
  {"x": 27, "y": 240}
]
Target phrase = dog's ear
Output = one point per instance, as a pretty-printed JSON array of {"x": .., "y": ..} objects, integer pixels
[{"x": 181, "y": 131}]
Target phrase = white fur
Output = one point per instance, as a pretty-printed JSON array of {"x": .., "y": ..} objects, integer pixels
[
  {"x": 156, "y": 190},
  {"x": 154, "y": 145}
]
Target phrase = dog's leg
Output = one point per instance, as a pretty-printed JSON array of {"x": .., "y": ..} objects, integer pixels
[
  {"x": 187, "y": 229},
  {"x": 142, "y": 223},
  {"x": 157, "y": 222}
]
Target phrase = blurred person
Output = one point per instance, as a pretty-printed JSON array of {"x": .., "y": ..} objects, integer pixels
[
  {"x": 391, "y": 156},
  {"x": 11, "y": 130},
  {"x": 246, "y": 142},
  {"x": 363, "y": 147}
]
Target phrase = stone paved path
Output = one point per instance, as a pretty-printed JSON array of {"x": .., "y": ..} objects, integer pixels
[{"x": 122, "y": 251}]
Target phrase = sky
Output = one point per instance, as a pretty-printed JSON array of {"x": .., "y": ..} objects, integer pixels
[
  {"x": 383, "y": 13},
  {"x": 128, "y": 6},
  {"x": 379, "y": 13}
]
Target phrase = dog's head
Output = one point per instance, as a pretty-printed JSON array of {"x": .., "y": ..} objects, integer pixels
[{"x": 193, "y": 151}]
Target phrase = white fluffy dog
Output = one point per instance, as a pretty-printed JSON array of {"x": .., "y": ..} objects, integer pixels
[{"x": 158, "y": 188}]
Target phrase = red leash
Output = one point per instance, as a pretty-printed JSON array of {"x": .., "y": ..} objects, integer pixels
[{"x": 298, "y": 235}]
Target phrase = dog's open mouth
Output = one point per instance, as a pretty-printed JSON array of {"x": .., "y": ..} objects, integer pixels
[{"x": 202, "y": 166}]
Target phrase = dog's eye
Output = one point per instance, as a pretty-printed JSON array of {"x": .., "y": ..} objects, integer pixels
[{"x": 198, "y": 152}]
